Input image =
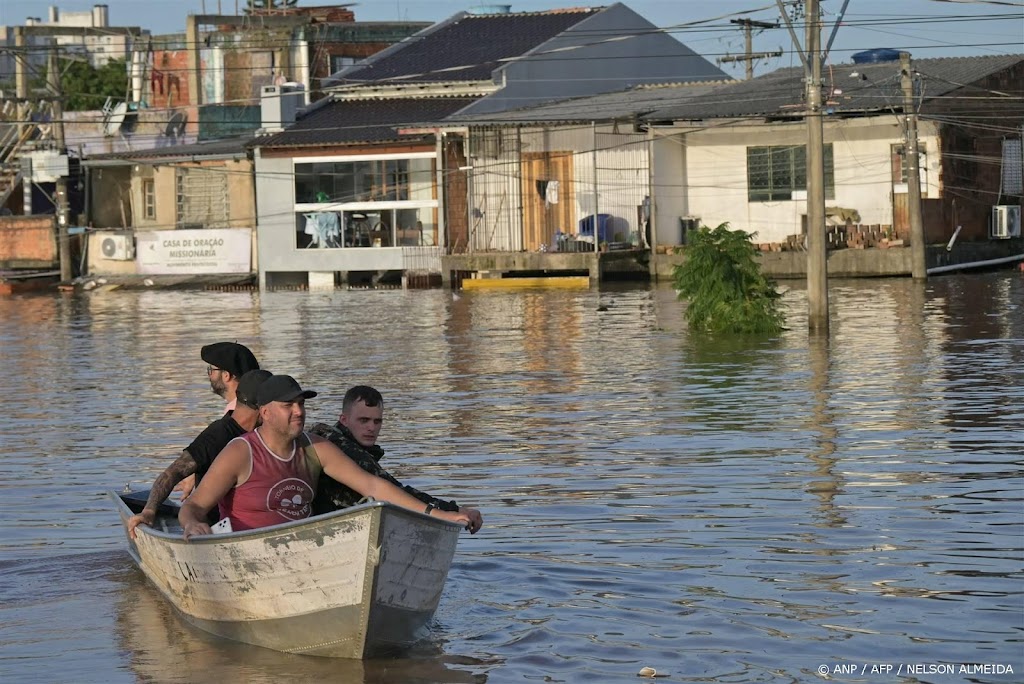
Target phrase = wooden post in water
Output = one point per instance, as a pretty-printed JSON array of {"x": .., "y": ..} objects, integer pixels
[
  {"x": 817, "y": 258},
  {"x": 911, "y": 151},
  {"x": 57, "y": 123}
]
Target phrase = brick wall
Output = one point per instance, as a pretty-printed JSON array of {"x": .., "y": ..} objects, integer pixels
[{"x": 28, "y": 242}]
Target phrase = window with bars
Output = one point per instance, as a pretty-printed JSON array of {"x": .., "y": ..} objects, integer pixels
[
  {"x": 202, "y": 198},
  {"x": 1013, "y": 167},
  {"x": 775, "y": 172}
]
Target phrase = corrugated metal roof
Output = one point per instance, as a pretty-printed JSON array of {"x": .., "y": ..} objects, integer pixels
[
  {"x": 850, "y": 88},
  {"x": 605, "y": 107},
  {"x": 348, "y": 122},
  {"x": 224, "y": 148},
  {"x": 467, "y": 48}
]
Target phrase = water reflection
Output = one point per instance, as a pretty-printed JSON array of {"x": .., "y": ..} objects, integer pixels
[
  {"x": 719, "y": 510},
  {"x": 161, "y": 647},
  {"x": 831, "y": 481}
]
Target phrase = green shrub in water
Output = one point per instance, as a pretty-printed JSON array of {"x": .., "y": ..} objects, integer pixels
[{"x": 722, "y": 280}]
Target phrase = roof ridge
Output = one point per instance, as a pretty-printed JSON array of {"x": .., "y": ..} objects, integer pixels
[
  {"x": 557, "y": 10},
  {"x": 681, "y": 84}
]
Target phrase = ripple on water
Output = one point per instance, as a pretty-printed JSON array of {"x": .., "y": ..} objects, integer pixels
[{"x": 721, "y": 511}]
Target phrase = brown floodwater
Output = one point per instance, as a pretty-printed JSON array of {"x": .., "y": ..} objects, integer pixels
[{"x": 720, "y": 510}]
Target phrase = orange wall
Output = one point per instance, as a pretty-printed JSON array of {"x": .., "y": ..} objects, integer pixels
[{"x": 27, "y": 241}]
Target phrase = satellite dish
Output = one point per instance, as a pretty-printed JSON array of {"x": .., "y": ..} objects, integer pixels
[
  {"x": 112, "y": 122},
  {"x": 108, "y": 247},
  {"x": 176, "y": 125}
]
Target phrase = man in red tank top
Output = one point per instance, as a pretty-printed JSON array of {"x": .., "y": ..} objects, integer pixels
[{"x": 261, "y": 479}]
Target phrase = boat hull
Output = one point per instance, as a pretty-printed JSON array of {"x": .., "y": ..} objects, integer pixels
[{"x": 352, "y": 584}]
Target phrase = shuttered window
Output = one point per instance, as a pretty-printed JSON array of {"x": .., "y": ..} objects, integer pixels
[{"x": 202, "y": 198}]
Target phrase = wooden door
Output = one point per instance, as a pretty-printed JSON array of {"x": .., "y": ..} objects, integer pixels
[
  {"x": 900, "y": 205},
  {"x": 542, "y": 219}
]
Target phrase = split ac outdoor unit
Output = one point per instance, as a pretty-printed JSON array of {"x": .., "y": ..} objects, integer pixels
[
  {"x": 1005, "y": 221},
  {"x": 120, "y": 247}
]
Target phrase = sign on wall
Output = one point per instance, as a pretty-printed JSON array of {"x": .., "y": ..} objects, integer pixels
[{"x": 216, "y": 250}]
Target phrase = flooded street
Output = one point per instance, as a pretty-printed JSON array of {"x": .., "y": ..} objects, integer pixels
[{"x": 721, "y": 511}]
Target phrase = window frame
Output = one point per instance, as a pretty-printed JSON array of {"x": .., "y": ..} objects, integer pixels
[
  {"x": 149, "y": 199},
  {"x": 396, "y": 192},
  {"x": 785, "y": 173}
]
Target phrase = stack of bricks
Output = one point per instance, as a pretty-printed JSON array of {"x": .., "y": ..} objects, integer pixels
[
  {"x": 840, "y": 237},
  {"x": 861, "y": 237}
]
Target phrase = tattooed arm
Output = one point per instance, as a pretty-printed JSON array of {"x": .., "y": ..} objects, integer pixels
[{"x": 182, "y": 467}]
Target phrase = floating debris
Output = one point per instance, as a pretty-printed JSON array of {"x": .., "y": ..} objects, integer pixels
[{"x": 649, "y": 672}]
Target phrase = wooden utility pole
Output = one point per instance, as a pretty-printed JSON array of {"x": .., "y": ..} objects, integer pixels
[
  {"x": 748, "y": 55},
  {"x": 21, "y": 78},
  {"x": 918, "y": 267},
  {"x": 22, "y": 108},
  {"x": 57, "y": 124},
  {"x": 817, "y": 257}
]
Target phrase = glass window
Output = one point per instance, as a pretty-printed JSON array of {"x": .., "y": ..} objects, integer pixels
[
  {"x": 773, "y": 173},
  {"x": 416, "y": 227},
  {"x": 379, "y": 180},
  {"x": 318, "y": 230},
  {"x": 339, "y": 62}
]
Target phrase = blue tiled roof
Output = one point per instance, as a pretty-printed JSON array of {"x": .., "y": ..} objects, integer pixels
[{"x": 468, "y": 48}]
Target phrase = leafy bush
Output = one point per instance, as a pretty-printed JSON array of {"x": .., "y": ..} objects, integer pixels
[{"x": 722, "y": 280}]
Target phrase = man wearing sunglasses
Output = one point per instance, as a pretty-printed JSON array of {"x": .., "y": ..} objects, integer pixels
[{"x": 228, "y": 361}]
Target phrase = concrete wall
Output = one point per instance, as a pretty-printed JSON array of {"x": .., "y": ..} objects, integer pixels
[
  {"x": 670, "y": 197},
  {"x": 862, "y": 263},
  {"x": 715, "y": 178}
]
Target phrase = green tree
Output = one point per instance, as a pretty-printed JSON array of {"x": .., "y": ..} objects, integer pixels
[
  {"x": 85, "y": 87},
  {"x": 721, "y": 279}
]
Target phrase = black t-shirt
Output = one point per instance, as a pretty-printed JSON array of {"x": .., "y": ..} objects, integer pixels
[{"x": 211, "y": 441}]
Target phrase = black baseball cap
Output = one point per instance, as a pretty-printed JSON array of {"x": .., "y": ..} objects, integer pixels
[
  {"x": 249, "y": 385},
  {"x": 281, "y": 388},
  {"x": 230, "y": 356}
]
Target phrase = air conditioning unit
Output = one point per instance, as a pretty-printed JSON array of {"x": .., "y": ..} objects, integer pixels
[
  {"x": 119, "y": 247},
  {"x": 1005, "y": 221}
]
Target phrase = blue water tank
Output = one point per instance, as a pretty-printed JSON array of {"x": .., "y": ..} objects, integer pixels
[
  {"x": 876, "y": 55},
  {"x": 604, "y": 227}
]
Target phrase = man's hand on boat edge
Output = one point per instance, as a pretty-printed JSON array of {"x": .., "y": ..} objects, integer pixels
[
  {"x": 476, "y": 520},
  {"x": 471, "y": 519},
  {"x": 195, "y": 529},
  {"x": 146, "y": 517}
]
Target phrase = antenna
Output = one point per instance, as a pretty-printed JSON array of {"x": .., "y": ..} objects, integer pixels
[
  {"x": 176, "y": 125},
  {"x": 114, "y": 118}
]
